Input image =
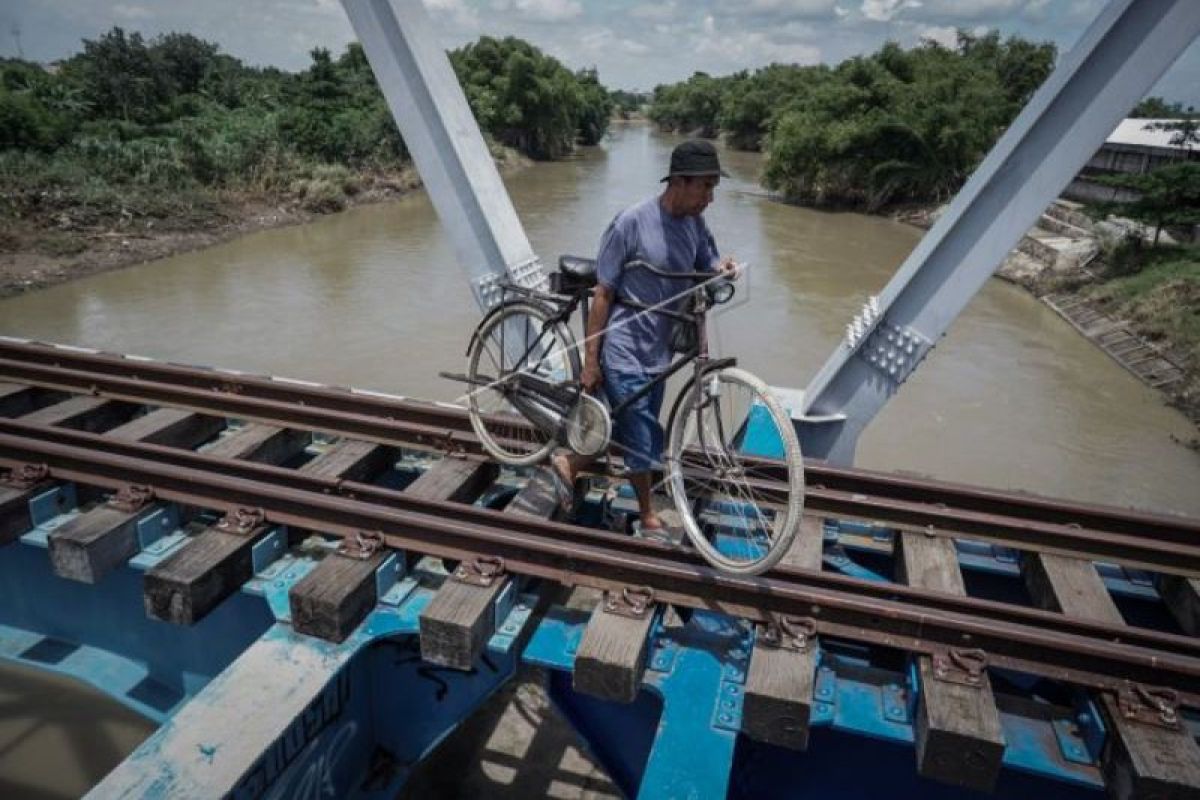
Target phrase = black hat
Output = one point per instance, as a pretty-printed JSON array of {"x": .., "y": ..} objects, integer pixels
[{"x": 695, "y": 157}]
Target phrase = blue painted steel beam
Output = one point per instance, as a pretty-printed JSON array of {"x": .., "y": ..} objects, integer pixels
[{"x": 1120, "y": 56}]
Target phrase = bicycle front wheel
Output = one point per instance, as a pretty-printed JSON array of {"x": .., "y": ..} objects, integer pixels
[
  {"x": 735, "y": 471},
  {"x": 516, "y": 347}
]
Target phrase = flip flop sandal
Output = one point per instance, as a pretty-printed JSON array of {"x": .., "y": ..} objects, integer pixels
[{"x": 659, "y": 534}]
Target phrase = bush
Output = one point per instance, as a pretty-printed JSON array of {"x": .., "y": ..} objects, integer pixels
[{"x": 321, "y": 195}]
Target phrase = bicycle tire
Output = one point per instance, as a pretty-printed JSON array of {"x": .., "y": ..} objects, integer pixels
[
  {"x": 685, "y": 496},
  {"x": 490, "y": 424}
]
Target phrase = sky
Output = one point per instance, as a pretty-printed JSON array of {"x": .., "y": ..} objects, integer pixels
[{"x": 635, "y": 44}]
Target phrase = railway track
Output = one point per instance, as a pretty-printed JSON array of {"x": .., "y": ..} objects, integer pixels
[
  {"x": 1062, "y": 641},
  {"x": 1025, "y": 522},
  {"x": 1028, "y": 640}
]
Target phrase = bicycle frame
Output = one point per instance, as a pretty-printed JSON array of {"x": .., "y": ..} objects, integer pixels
[{"x": 697, "y": 356}]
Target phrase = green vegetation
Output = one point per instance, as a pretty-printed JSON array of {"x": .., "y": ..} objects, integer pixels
[
  {"x": 1168, "y": 196},
  {"x": 896, "y": 126},
  {"x": 1158, "y": 108},
  {"x": 627, "y": 105},
  {"x": 131, "y": 132},
  {"x": 1157, "y": 289},
  {"x": 530, "y": 101}
]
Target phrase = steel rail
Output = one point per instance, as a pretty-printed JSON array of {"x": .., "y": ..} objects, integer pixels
[
  {"x": 1018, "y": 520},
  {"x": 1038, "y": 642},
  {"x": 1171, "y": 545}
]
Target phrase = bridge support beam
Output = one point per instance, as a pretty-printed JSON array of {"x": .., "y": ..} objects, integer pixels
[{"x": 431, "y": 110}]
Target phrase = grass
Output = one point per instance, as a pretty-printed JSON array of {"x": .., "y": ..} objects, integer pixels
[
  {"x": 1162, "y": 299},
  {"x": 1159, "y": 295}
]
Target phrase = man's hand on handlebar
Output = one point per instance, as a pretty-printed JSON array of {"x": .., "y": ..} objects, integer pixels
[{"x": 731, "y": 267}]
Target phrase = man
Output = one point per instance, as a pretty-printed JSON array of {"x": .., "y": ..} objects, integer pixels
[{"x": 669, "y": 232}]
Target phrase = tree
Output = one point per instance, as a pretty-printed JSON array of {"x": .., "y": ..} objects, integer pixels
[
  {"x": 120, "y": 76},
  {"x": 1186, "y": 132},
  {"x": 529, "y": 100},
  {"x": 596, "y": 107},
  {"x": 184, "y": 59},
  {"x": 1157, "y": 108},
  {"x": 1168, "y": 196}
]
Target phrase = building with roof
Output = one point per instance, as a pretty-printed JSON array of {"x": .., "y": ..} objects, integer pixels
[{"x": 1136, "y": 147}]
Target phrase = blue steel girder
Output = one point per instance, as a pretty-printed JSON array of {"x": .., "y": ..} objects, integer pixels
[{"x": 1120, "y": 56}]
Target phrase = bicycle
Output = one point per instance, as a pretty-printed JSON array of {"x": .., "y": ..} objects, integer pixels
[{"x": 734, "y": 470}]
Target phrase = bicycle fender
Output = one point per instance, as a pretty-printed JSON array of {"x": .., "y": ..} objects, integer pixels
[{"x": 719, "y": 363}]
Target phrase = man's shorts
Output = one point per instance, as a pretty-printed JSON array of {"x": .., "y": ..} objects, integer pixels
[{"x": 637, "y": 429}]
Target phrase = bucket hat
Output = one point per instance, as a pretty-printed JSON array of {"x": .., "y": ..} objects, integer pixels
[{"x": 694, "y": 158}]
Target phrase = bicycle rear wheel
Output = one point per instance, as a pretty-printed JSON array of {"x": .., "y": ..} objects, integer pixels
[
  {"x": 514, "y": 424},
  {"x": 735, "y": 471}
]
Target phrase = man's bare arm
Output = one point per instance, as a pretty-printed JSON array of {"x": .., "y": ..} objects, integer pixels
[{"x": 602, "y": 300}]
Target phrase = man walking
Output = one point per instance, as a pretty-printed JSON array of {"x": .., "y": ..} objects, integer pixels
[{"x": 626, "y": 347}]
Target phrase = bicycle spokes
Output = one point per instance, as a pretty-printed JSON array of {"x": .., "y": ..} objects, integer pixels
[
  {"x": 516, "y": 361},
  {"x": 736, "y": 504}
]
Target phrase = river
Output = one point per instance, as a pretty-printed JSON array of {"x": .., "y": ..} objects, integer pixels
[{"x": 1012, "y": 397}]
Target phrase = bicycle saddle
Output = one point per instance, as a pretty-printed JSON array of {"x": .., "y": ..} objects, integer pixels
[{"x": 577, "y": 267}]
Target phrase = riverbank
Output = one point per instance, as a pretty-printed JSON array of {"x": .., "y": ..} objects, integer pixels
[
  {"x": 60, "y": 245},
  {"x": 1155, "y": 293},
  {"x": 1152, "y": 294}
]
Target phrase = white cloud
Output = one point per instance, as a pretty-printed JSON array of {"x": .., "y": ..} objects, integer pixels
[
  {"x": 884, "y": 10},
  {"x": 542, "y": 10},
  {"x": 656, "y": 12},
  {"x": 461, "y": 14},
  {"x": 945, "y": 35},
  {"x": 729, "y": 51},
  {"x": 123, "y": 11},
  {"x": 783, "y": 8},
  {"x": 972, "y": 9},
  {"x": 603, "y": 41}
]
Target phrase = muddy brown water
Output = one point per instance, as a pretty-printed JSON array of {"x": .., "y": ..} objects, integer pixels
[{"x": 1013, "y": 397}]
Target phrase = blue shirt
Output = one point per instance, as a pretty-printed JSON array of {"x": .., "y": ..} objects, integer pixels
[{"x": 638, "y": 341}]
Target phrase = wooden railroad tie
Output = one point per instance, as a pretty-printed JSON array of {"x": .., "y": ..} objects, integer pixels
[
  {"x": 459, "y": 620},
  {"x": 959, "y": 739},
  {"x": 331, "y": 600},
  {"x": 778, "y": 697},
  {"x": 190, "y": 583},
  {"x": 1182, "y": 596},
  {"x": 612, "y": 654},
  {"x": 95, "y": 542},
  {"x": 1141, "y": 758}
]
